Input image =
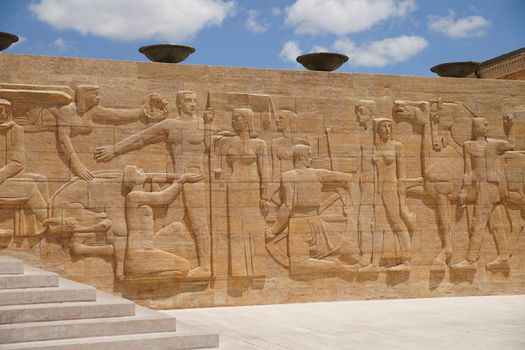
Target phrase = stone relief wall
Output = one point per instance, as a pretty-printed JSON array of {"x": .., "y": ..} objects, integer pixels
[{"x": 187, "y": 186}]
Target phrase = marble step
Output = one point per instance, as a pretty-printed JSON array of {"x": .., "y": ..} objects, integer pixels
[
  {"x": 10, "y": 266},
  {"x": 66, "y": 291},
  {"x": 144, "y": 321},
  {"x": 106, "y": 305},
  {"x": 154, "y": 341},
  {"x": 31, "y": 278}
]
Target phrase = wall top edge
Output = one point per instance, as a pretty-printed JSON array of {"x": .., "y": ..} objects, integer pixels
[{"x": 9, "y": 56}]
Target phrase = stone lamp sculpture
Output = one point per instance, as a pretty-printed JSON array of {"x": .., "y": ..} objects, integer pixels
[
  {"x": 167, "y": 53},
  {"x": 6, "y": 39},
  {"x": 322, "y": 61},
  {"x": 456, "y": 69}
]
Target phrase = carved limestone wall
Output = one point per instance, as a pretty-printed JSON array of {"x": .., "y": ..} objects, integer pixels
[{"x": 188, "y": 186}]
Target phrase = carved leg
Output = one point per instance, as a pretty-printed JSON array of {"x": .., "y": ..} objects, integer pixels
[
  {"x": 299, "y": 245},
  {"x": 196, "y": 216},
  {"x": 444, "y": 226},
  {"x": 500, "y": 238},
  {"x": 482, "y": 211}
]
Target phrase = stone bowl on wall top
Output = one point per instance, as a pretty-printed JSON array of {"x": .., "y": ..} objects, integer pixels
[
  {"x": 167, "y": 53},
  {"x": 456, "y": 69},
  {"x": 322, "y": 61},
  {"x": 6, "y": 39}
]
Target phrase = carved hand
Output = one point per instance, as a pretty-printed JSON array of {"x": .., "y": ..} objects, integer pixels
[
  {"x": 462, "y": 196},
  {"x": 208, "y": 116},
  {"x": 105, "y": 153},
  {"x": 508, "y": 122},
  {"x": 401, "y": 186},
  {"x": 263, "y": 207},
  {"x": 268, "y": 235},
  {"x": 190, "y": 178},
  {"x": 82, "y": 172}
]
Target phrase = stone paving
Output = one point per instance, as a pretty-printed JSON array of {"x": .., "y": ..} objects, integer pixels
[{"x": 492, "y": 322}]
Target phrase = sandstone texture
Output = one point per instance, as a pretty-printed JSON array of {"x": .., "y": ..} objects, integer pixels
[{"x": 190, "y": 186}]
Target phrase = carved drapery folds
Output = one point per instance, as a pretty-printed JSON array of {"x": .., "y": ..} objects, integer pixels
[{"x": 187, "y": 198}]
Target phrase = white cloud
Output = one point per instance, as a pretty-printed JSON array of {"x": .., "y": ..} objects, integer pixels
[
  {"x": 466, "y": 27},
  {"x": 276, "y": 11},
  {"x": 61, "y": 44},
  {"x": 319, "y": 49},
  {"x": 341, "y": 17},
  {"x": 290, "y": 51},
  {"x": 252, "y": 24},
  {"x": 170, "y": 20},
  {"x": 381, "y": 53}
]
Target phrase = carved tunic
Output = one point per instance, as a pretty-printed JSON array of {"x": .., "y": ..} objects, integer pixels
[{"x": 247, "y": 174}]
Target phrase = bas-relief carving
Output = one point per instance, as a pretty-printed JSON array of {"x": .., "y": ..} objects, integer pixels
[
  {"x": 311, "y": 249},
  {"x": 483, "y": 175},
  {"x": 187, "y": 138},
  {"x": 445, "y": 155},
  {"x": 244, "y": 168},
  {"x": 278, "y": 207}
]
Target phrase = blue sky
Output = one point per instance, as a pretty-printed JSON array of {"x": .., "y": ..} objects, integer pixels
[{"x": 380, "y": 36}]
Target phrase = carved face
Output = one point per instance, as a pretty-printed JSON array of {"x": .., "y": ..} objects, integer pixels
[
  {"x": 480, "y": 127},
  {"x": 188, "y": 104},
  {"x": 5, "y": 113},
  {"x": 384, "y": 129},
  {"x": 307, "y": 158},
  {"x": 239, "y": 122},
  {"x": 140, "y": 176},
  {"x": 364, "y": 114},
  {"x": 91, "y": 98},
  {"x": 282, "y": 122}
]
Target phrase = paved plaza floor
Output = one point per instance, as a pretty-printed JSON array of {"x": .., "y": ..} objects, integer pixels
[{"x": 494, "y": 322}]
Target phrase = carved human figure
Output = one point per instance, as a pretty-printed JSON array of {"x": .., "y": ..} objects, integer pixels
[
  {"x": 78, "y": 117},
  {"x": 388, "y": 195},
  {"x": 365, "y": 112},
  {"x": 281, "y": 148},
  {"x": 311, "y": 249},
  {"x": 484, "y": 175},
  {"x": 142, "y": 259},
  {"x": 16, "y": 186},
  {"x": 187, "y": 138},
  {"x": 244, "y": 166}
]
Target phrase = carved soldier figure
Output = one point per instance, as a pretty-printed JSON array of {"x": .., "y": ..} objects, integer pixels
[
  {"x": 308, "y": 241},
  {"x": 16, "y": 186},
  {"x": 365, "y": 112},
  {"x": 188, "y": 139},
  {"x": 484, "y": 174},
  {"x": 78, "y": 117},
  {"x": 142, "y": 259}
]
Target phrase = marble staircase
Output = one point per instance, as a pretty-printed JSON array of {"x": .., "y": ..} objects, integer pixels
[{"x": 40, "y": 310}]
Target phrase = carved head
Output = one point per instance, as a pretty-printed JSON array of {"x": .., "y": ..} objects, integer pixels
[
  {"x": 411, "y": 111},
  {"x": 6, "y": 111},
  {"x": 365, "y": 110},
  {"x": 286, "y": 120},
  {"x": 302, "y": 154},
  {"x": 86, "y": 97},
  {"x": 242, "y": 121},
  {"x": 132, "y": 176},
  {"x": 480, "y": 127},
  {"x": 186, "y": 103},
  {"x": 382, "y": 130}
]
